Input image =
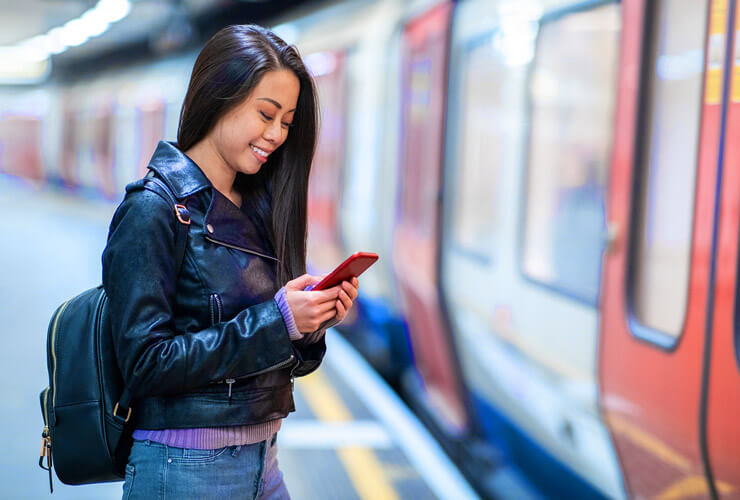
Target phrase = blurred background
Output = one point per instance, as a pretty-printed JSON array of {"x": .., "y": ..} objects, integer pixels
[{"x": 553, "y": 187}]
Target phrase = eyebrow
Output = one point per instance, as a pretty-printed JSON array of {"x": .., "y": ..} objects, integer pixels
[{"x": 277, "y": 104}]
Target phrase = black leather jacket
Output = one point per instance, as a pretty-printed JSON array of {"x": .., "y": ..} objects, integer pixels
[{"x": 206, "y": 346}]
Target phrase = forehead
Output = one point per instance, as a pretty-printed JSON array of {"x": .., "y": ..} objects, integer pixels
[{"x": 281, "y": 86}]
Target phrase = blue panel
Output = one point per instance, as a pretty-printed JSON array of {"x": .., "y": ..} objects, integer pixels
[{"x": 547, "y": 474}]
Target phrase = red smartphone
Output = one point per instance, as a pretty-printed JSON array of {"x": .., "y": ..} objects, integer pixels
[{"x": 355, "y": 265}]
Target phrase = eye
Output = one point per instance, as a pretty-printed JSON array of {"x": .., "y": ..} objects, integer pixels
[
  {"x": 288, "y": 125},
  {"x": 265, "y": 116}
]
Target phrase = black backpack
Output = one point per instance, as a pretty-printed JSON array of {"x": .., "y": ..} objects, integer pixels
[{"x": 86, "y": 406}]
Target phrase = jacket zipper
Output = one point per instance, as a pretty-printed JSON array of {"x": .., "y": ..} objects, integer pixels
[
  {"x": 219, "y": 307},
  {"x": 230, "y": 381},
  {"x": 241, "y": 248},
  {"x": 216, "y": 309}
]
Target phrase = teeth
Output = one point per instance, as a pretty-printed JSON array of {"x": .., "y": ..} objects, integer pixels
[{"x": 259, "y": 151}]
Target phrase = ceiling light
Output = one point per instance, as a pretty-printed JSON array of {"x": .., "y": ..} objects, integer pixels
[{"x": 30, "y": 58}]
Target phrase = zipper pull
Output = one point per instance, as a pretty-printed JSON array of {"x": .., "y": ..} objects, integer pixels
[
  {"x": 44, "y": 446},
  {"x": 48, "y": 463},
  {"x": 42, "y": 455},
  {"x": 230, "y": 381},
  {"x": 46, "y": 453}
]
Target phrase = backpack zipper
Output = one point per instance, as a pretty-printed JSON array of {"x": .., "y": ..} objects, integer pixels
[
  {"x": 46, "y": 432},
  {"x": 53, "y": 353},
  {"x": 46, "y": 443},
  {"x": 46, "y": 415},
  {"x": 235, "y": 247}
]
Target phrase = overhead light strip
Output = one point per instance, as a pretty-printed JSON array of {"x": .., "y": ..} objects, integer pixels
[{"x": 28, "y": 60}]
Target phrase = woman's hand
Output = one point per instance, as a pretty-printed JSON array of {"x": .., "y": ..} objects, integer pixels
[
  {"x": 310, "y": 309},
  {"x": 347, "y": 295}
]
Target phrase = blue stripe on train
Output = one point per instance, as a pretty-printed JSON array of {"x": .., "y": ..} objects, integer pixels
[{"x": 547, "y": 474}]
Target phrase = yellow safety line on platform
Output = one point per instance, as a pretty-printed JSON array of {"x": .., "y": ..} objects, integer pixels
[
  {"x": 690, "y": 487},
  {"x": 650, "y": 443},
  {"x": 684, "y": 487},
  {"x": 362, "y": 466}
]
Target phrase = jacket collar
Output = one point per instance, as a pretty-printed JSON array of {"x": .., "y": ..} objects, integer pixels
[
  {"x": 227, "y": 224},
  {"x": 180, "y": 173},
  {"x": 232, "y": 226}
]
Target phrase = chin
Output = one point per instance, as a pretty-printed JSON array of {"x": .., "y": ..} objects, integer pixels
[{"x": 250, "y": 169}]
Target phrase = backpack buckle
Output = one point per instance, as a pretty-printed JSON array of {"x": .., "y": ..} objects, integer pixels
[
  {"x": 182, "y": 213},
  {"x": 115, "y": 409}
]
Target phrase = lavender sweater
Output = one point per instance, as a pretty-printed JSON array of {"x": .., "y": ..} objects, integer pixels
[{"x": 210, "y": 438}]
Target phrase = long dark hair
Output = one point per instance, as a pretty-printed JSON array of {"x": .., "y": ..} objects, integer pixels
[{"x": 230, "y": 65}]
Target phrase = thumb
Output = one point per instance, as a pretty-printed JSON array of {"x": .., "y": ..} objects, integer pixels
[{"x": 301, "y": 282}]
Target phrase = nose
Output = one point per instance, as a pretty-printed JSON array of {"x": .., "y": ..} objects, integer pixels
[{"x": 273, "y": 132}]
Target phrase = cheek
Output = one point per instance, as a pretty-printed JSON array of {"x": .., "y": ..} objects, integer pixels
[
  {"x": 284, "y": 137},
  {"x": 237, "y": 139}
]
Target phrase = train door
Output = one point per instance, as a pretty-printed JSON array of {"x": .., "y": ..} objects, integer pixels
[
  {"x": 415, "y": 252},
  {"x": 720, "y": 439},
  {"x": 530, "y": 123},
  {"x": 661, "y": 216}
]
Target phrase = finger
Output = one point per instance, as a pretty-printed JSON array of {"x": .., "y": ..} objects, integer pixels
[
  {"x": 328, "y": 294},
  {"x": 355, "y": 282},
  {"x": 350, "y": 290},
  {"x": 345, "y": 299},
  {"x": 326, "y": 306},
  {"x": 341, "y": 311},
  {"x": 316, "y": 279},
  {"x": 302, "y": 282},
  {"x": 327, "y": 316}
]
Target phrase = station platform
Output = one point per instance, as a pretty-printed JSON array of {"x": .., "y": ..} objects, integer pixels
[{"x": 351, "y": 437}]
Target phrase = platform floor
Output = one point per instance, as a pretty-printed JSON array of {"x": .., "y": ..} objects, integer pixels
[{"x": 350, "y": 438}]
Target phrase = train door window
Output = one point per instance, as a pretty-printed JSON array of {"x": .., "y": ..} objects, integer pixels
[
  {"x": 476, "y": 148},
  {"x": 572, "y": 92},
  {"x": 666, "y": 169}
]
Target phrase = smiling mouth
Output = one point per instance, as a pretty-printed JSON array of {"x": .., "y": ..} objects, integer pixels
[{"x": 261, "y": 152}]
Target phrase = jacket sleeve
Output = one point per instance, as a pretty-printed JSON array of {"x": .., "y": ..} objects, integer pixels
[
  {"x": 140, "y": 276},
  {"x": 310, "y": 355}
]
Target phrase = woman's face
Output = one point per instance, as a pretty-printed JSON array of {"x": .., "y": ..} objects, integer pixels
[{"x": 247, "y": 135}]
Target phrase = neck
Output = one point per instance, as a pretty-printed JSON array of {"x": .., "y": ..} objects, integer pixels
[{"x": 213, "y": 165}]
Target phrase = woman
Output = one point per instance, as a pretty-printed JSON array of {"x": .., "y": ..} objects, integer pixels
[{"x": 209, "y": 350}]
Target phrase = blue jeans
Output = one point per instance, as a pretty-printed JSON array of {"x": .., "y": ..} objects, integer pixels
[{"x": 158, "y": 471}]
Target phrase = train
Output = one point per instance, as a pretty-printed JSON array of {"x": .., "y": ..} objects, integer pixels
[{"x": 552, "y": 188}]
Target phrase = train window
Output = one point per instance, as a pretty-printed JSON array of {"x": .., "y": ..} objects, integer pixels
[
  {"x": 572, "y": 92},
  {"x": 667, "y": 166},
  {"x": 477, "y": 147}
]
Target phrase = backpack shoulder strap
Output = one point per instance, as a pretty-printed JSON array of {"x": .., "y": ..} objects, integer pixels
[
  {"x": 156, "y": 185},
  {"x": 181, "y": 212}
]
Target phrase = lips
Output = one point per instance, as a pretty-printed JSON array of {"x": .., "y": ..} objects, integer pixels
[{"x": 259, "y": 153}]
